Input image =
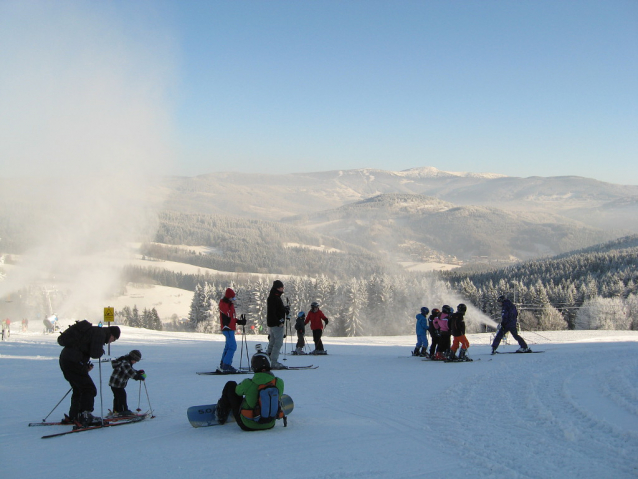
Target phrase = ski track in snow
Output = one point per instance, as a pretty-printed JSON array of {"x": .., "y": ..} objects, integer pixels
[{"x": 368, "y": 411}]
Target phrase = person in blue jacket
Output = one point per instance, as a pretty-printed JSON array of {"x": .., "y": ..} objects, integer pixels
[
  {"x": 421, "y": 348},
  {"x": 509, "y": 317}
]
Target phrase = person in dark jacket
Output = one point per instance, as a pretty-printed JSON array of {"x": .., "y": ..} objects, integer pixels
[
  {"x": 276, "y": 313},
  {"x": 122, "y": 372},
  {"x": 75, "y": 365},
  {"x": 509, "y": 317},
  {"x": 300, "y": 327},
  {"x": 457, "y": 328}
]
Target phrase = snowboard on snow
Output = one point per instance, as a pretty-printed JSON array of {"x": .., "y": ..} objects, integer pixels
[{"x": 204, "y": 416}]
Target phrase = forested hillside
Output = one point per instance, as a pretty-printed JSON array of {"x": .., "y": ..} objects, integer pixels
[
  {"x": 242, "y": 245},
  {"x": 592, "y": 288}
]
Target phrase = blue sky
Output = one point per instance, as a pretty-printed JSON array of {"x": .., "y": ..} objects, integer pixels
[{"x": 521, "y": 88}]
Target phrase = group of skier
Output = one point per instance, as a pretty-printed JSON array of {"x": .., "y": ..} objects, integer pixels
[
  {"x": 84, "y": 341},
  {"x": 444, "y": 324},
  {"x": 277, "y": 313}
]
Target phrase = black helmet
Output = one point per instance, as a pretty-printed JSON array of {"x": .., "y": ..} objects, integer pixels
[
  {"x": 135, "y": 355},
  {"x": 260, "y": 362},
  {"x": 501, "y": 298},
  {"x": 314, "y": 304},
  {"x": 461, "y": 308},
  {"x": 446, "y": 309}
]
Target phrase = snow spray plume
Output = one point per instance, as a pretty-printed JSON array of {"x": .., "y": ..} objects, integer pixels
[{"x": 85, "y": 131}]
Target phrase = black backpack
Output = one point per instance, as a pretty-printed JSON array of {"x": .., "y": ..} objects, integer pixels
[{"x": 74, "y": 334}]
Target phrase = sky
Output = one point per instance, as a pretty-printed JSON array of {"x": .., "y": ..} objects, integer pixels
[{"x": 521, "y": 88}]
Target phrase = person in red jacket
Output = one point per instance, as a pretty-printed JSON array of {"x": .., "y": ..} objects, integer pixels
[
  {"x": 316, "y": 318},
  {"x": 229, "y": 324}
]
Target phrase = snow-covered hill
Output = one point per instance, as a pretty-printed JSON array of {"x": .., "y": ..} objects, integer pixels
[{"x": 370, "y": 410}]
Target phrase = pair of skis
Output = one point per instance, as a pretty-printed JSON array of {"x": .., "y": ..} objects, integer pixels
[
  {"x": 250, "y": 371},
  {"x": 108, "y": 422}
]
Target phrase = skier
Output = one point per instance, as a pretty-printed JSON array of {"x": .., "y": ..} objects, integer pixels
[
  {"x": 275, "y": 318},
  {"x": 434, "y": 332},
  {"x": 122, "y": 372},
  {"x": 441, "y": 324},
  {"x": 316, "y": 318},
  {"x": 509, "y": 317},
  {"x": 241, "y": 399},
  {"x": 229, "y": 324},
  {"x": 75, "y": 364},
  {"x": 456, "y": 323},
  {"x": 421, "y": 333},
  {"x": 300, "y": 327}
]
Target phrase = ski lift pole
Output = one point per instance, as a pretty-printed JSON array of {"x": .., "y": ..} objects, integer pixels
[{"x": 56, "y": 406}]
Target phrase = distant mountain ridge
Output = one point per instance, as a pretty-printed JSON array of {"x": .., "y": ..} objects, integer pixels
[
  {"x": 425, "y": 228},
  {"x": 273, "y": 197}
]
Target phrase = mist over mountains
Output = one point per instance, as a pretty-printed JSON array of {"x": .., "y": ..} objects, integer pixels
[{"x": 421, "y": 214}]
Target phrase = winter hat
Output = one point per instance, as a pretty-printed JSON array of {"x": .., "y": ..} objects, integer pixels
[
  {"x": 229, "y": 294},
  {"x": 114, "y": 331},
  {"x": 135, "y": 355},
  {"x": 277, "y": 284},
  {"x": 424, "y": 311}
]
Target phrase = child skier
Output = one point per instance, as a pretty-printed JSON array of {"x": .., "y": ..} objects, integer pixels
[
  {"x": 300, "y": 327},
  {"x": 421, "y": 333},
  {"x": 122, "y": 371},
  {"x": 457, "y": 327},
  {"x": 441, "y": 324},
  {"x": 434, "y": 332},
  {"x": 316, "y": 318}
]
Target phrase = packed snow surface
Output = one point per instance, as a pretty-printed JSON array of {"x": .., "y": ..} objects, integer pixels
[{"x": 370, "y": 410}]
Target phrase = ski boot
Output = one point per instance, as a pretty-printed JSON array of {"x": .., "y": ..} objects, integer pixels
[
  {"x": 87, "y": 419},
  {"x": 221, "y": 412},
  {"x": 523, "y": 350},
  {"x": 416, "y": 351}
]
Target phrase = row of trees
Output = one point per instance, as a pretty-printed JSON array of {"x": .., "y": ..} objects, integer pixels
[
  {"x": 379, "y": 305},
  {"x": 148, "y": 319}
]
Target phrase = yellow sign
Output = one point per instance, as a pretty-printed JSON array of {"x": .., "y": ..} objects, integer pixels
[{"x": 109, "y": 315}]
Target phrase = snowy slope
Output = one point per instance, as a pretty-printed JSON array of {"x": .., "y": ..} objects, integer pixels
[{"x": 370, "y": 410}]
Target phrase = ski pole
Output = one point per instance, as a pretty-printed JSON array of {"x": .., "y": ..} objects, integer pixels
[
  {"x": 101, "y": 402},
  {"x": 67, "y": 393},
  {"x": 139, "y": 397},
  {"x": 148, "y": 399}
]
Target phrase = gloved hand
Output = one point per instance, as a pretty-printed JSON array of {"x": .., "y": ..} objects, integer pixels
[
  {"x": 141, "y": 371},
  {"x": 242, "y": 321},
  {"x": 326, "y": 320},
  {"x": 282, "y": 321},
  {"x": 140, "y": 376},
  {"x": 89, "y": 366},
  {"x": 287, "y": 308}
]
